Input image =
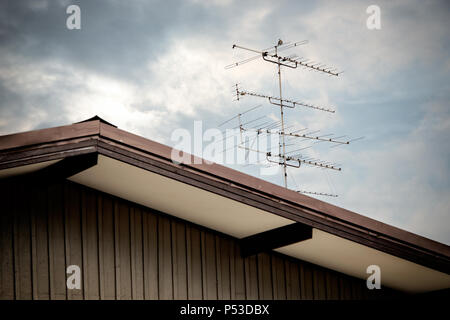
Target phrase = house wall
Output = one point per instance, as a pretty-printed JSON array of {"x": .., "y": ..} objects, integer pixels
[{"x": 126, "y": 251}]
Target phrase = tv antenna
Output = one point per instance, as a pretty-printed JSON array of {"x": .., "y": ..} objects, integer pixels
[{"x": 284, "y": 157}]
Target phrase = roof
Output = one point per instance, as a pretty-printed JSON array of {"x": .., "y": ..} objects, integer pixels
[{"x": 229, "y": 201}]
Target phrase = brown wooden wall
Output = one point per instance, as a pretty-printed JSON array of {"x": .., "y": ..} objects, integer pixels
[{"x": 126, "y": 251}]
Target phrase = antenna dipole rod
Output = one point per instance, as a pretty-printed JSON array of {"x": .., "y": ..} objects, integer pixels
[
  {"x": 291, "y": 102},
  {"x": 318, "y": 193},
  {"x": 248, "y": 49},
  {"x": 315, "y": 163},
  {"x": 302, "y": 136}
]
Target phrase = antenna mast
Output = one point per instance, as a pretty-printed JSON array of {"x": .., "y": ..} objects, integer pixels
[{"x": 272, "y": 55}]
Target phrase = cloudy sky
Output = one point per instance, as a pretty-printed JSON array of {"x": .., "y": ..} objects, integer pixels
[{"x": 151, "y": 67}]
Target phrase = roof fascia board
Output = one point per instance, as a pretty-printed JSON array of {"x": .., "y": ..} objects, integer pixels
[
  {"x": 386, "y": 244},
  {"x": 270, "y": 190},
  {"x": 60, "y": 170},
  {"x": 51, "y": 152},
  {"x": 35, "y": 137}
]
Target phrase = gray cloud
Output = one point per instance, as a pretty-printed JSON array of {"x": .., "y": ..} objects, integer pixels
[{"x": 153, "y": 66}]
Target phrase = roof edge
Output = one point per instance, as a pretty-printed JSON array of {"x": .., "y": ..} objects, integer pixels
[
  {"x": 54, "y": 134},
  {"x": 95, "y": 128},
  {"x": 269, "y": 189}
]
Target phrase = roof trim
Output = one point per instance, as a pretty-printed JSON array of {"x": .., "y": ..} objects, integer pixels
[
  {"x": 36, "y": 146},
  {"x": 271, "y": 190},
  {"x": 50, "y": 135}
]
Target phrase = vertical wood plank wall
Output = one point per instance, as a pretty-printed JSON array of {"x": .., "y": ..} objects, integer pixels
[{"x": 126, "y": 251}]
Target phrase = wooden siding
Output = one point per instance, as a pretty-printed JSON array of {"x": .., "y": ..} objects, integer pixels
[{"x": 126, "y": 251}]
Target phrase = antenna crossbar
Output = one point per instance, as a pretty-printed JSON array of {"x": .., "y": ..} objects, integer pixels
[
  {"x": 285, "y": 102},
  {"x": 293, "y": 63},
  {"x": 303, "y": 136},
  {"x": 285, "y": 46},
  {"x": 318, "y": 193},
  {"x": 315, "y": 163}
]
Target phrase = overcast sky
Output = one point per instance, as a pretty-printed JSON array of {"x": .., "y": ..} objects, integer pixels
[{"x": 151, "y": 67}]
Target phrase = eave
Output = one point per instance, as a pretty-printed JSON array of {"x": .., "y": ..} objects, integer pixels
[{"x": 132, "y": 151}]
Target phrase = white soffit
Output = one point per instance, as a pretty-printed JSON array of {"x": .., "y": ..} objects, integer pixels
[
  {"x": 352, "y": 258},
  {"x": 239, "y": 220},
  {"x": 177, "y": 199},
  {"x": 5, "y": 173}
]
